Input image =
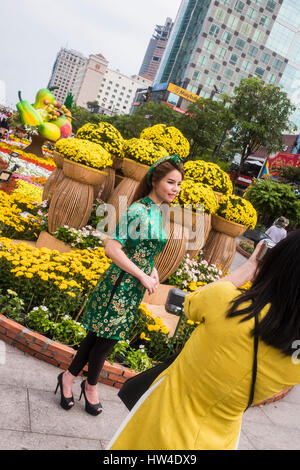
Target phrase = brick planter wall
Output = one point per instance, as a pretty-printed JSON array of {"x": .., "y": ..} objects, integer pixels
[
  {"x": 55, "y": 353},
  {"x": 61, "y": 356}
]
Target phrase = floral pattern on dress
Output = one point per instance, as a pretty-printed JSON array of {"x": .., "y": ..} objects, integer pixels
[{"x": 115, "y": 301}]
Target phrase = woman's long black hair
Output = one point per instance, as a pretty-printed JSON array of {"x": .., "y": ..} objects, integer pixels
[{"x": 277, "y": 283}]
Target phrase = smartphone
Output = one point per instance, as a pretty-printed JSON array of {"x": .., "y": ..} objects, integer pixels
[{"x": 267, "y": 245}]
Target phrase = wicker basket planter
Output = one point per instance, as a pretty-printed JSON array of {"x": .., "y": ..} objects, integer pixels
[
  {"x": 194, "y": 222},
  {"x": 220, "y": 247},
  {"x": 133, "y": 172},
  {"x": 55, "y": 178},
  {"x": 71, "y": 203}
]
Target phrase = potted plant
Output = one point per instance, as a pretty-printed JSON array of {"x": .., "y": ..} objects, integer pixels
[
  {"x": 83, "y": 166},
  {"x": 234, "y": 215},
  {"x": 170, "y": 138},
  {"x": 210, "y": 174}
]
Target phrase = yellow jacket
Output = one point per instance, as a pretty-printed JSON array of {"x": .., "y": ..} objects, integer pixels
[{"x": 200, "y": 401}]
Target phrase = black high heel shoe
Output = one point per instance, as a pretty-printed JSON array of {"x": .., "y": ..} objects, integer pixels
[
  {"x": 65, "y": 403},
  {"x": 89, "y": 407}
]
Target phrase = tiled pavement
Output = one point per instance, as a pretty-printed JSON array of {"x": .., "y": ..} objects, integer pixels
[{"x": 31, "y": 418}]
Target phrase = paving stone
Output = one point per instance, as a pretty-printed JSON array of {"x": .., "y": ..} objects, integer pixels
[
  {"x": 47, "y": 417},
  {"x": 14, "y": 408},
  {"x": 271, "y": 437},
  {"x": 18, "y": 440}
]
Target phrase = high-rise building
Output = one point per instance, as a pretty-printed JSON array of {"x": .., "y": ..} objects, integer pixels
[
  {"x": 89, "y": 79},
  {"x": 156, "y": 49},
  {"x": 117, "y": 91},
  {"x": 285, "y": 40},
  {"x": 65, "y": 71},
  {"x": 214, "y": 44}
]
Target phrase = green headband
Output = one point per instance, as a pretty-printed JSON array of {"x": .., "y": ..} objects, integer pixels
[{"x": 174, "y": 158}]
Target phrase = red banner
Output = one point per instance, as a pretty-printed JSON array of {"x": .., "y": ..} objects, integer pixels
[{"x": 280, "y": 160}]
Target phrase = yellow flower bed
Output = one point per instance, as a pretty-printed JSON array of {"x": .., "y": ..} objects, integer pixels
[
  {"x": 152, "y": 323},
  {"x": 75, "y": 272},
  {"x": 209, "y": 173},
  {"x": 168, "y": 137},
  {"x": 84, "y": 152},
  {"x": 11, "y": 220},
  {"x": 194, "y": 193},
  {"x": 237, "y": 209},
  {"x": 28, "y": 191},
  {"x": 104, "y": 134},
  {"x": 143, "y": 151}
]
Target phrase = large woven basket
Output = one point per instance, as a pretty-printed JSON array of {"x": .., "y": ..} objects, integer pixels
[
  {"x": 58, "y": 159},
  {"x": 83, "y": 174},
  {"x": 232, "y": 229},
  {"x": 194, "y": 223},
  {"x": 134, "y": 170}
]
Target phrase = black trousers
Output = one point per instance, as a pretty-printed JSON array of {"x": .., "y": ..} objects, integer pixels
[{"x": 93, "y": 350}]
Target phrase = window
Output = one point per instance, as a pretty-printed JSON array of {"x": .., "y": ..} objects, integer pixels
[
  {"x": 220, "y": 15},
  {"x": 246, "y": 66},
  {"x": 265, "y": 58},
  {"x": 233, "y": 59},
  {"x": 225, "y": 2},
  {"x": 259, "y": 72},
  {"x": 210, "y": 82},
  {"x": 277, "y": 64},
  {"x": 196, "y": 76},
  {"x": 240, "y": 44},
  {"x": 202, "y": 61},
  {"x": 221, "y": 52},
  {"x": 233, "y": 22},
  {"x": 214, "y": 30},
  {"x": 228, "y": 73},
  {"x": 264, "y": 21},
  {"x": 258, "y": 36},
  {"x": 251, "y": 14},
  {"x": 208, "y": 45},
  {"x": 155, "y": 59},
  {"x": 227, "y": 37},
  {"x": 239, "y": 6},
  {"x": 271, "y": 78},
  {"x": 252, "y": 51},
  {"x": 223, "y": 87},
  {"x": 192, "y": 88},
  {"x": 110, "y": 82},
  {"x": 215, "y": 67},
  {"x": 246, "y": 29},
  {"x": 271, "y": 5}
]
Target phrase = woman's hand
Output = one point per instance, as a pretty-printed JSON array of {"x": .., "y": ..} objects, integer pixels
[
  {"x": 155, "y": 276},
  {"x": 149, "y": 282}
]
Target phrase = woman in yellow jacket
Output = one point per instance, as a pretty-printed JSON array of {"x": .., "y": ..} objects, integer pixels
[{"x": 199, "y": 401}]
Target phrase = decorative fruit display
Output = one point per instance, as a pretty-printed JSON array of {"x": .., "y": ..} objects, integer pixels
[{"x": 52, "y": 118}]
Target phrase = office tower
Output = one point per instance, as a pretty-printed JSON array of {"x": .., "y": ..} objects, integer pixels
[
  {"x": 65, "y": 71},
  {"x": 156, "y": 49},
  {"x": 214, "y": 44},
  {"x": 117, "y": 91},
  {"x": 89, "y": 79},
  {"x": 285, "y": 40}
]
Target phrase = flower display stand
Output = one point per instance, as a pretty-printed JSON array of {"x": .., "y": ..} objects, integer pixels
[
  {"x": 220, "y": 247},
  {"x": 46, "y": 240},
  {"x": 37, "y": 142},
  {"x": 133, "y": 172},
  {"x": 175, "y": 249},
  {"x": 55, "y": 178},
  {"x": 71, "y": 203}
]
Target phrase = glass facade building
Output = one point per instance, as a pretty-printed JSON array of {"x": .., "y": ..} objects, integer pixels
[
  {"x": 214, "y": 44},
  {"x": 285, "y": 39}
]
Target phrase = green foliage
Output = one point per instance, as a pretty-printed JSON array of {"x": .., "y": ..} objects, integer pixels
[
  {"x": 261, "y": 114},
  {"x": 136, "y": 359},
  {"x": 272, "y": 200},
  {"x": 81, "y": 239},
  {"x": 205, "y": 123},
  {"x": 69, "y": 102},
  {"x": 290, "y": 173},
  {"x": 39, "y": 319},
  {"x": 12, "y": 306},
  {"x": 68, "y": 331}
]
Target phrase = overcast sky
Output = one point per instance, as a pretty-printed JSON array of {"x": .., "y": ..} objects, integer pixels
[{"x": 32, "y": 32}]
